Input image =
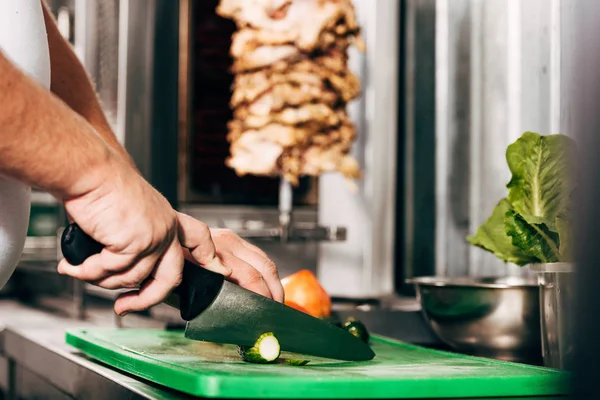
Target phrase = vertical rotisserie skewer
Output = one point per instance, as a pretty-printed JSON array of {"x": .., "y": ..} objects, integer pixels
[{"x": 291, "y": 87}]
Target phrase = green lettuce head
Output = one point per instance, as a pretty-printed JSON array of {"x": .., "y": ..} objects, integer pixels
[{"x": 533, "y": 223}]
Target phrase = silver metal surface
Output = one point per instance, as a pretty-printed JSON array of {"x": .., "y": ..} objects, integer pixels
[
  {"x": 295, "y": 233},
  {"x": 97, "y": 43},
  {"x": 79, "y": 298},
  {"x": 259, "y": 224},
  {"x": 287, "y": 231},
  {"x": 33, "y": 342},
  {"x": 115, "y": 41},
  {"x": 487, "y": 316},
  {"x": 363, "y": 266},
  {"x": 238, "y": 316},
  {"x": 135, "y": 69},
  {"x": 556, "y": 305},
  {"x": 285, "y": 209},
  {"x": 265, "y": 225},
  {"x": 478, "y": 74},
  {"x": 40, "y": 249},
  {"x": 581, "y": 118},
  {"x": 417, "y": 130},
  {"x": 244, "y": 217},
  {"x": 497, "y": 74}
]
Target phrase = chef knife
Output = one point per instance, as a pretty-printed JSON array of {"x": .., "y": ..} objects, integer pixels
[{"x": 216, "y": 310}]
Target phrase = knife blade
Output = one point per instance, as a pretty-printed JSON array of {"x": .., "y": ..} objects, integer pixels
[
  {"x": 238, "y": 316},
  {"x": 216, "y": 310}
]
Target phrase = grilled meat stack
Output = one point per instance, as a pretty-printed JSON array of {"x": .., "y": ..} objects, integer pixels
[{"x": 291, "y": 87}]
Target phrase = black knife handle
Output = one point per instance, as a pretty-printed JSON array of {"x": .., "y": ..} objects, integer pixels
[{"x": 198, "y": 287}]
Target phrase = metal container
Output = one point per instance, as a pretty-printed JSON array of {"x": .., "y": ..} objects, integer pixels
[
  {"x": 487, "y": 316},
  {"x": 556, "y": 302}
]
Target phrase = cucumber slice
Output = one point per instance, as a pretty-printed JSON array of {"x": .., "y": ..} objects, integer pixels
[
  {"x": 266, "y": 350},
  {"x": 356, "y": 328}
]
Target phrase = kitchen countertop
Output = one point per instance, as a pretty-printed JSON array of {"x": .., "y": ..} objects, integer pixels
[
  {"x": 42, "y": 365},
  {"x": 41, "y": 361}
]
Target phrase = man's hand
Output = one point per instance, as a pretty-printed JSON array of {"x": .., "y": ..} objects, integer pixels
[
  {"x": 144, "y": 241},
  {"x": 140, "y": 232},
  {"x": 251, "y": 267},
  {"x": 46, "y": 144}
]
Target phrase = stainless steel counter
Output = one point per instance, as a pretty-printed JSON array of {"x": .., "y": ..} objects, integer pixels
[{"x": 35, "y": 362}]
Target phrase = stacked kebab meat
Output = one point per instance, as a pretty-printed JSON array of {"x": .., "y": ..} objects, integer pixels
[{"x": 291, "y": 87}]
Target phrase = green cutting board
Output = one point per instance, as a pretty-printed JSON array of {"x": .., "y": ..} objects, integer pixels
[{"x": 398, "y": 371}]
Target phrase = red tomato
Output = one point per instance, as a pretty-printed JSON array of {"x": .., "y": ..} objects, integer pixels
[
  {"x": 296, "y": 306},
  {"x": 304, "y": 290}
]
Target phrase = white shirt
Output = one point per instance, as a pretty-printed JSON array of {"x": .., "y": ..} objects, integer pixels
[{"x": 23, "y": 41}]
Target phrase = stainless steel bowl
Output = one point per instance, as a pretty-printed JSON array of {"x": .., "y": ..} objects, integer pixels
[{"x": 490, "y": 316}]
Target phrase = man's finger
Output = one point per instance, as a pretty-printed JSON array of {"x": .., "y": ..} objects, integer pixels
[
  {"x": 196, "y": 236},
  {"x": 151, "y": 293},
  {"x": 254, "y": 248},
  {"x": 245, "y": 275},
  {"x": 225, "y": 239},
  {"x": 132, "y": 278},
  {"x": 97, "y": 266},
  {"x": 264, "y": 265},
  {"x": 165, "y": 277}
]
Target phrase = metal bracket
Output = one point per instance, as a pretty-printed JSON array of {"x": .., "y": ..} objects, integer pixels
[{"x": 288, "y": 231}]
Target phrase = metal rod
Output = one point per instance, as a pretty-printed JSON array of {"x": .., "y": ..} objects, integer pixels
[
  {"x": 299, "y": 233},
  {"x": 285, "y": 208},
  {"x": 79, "y": 299}
]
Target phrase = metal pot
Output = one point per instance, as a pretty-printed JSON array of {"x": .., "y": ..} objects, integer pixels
[
  {"x": 490, "y": 316},
  {"x": 556, "y": 302}
]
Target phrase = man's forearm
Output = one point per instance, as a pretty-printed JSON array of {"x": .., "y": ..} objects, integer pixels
[
  {"x": 71, "y": 83},
  {"x": 43, "y": 142}
]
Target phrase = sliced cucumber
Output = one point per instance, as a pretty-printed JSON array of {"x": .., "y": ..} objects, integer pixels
[
  {"x": 356, "y": 328},
  {"x": 266, "y": 350}
]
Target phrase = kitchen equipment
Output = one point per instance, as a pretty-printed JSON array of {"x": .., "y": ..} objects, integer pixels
[
  {"x": 399, "y": 371},
  {"x": 556, "y": 306},
  {"x": 219, "y": 311},
  {"x": 163, "y": 71},
  {"x": 365, "y": 241},
  {"x": 488, "y": 316}
]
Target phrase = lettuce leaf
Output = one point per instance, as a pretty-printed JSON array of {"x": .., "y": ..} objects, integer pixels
[
  {"x": 536, "y": 240},
  {"x": 540, "y": 186},
  {"x": 565, "y": 233},
  {"x": 492, "y": 236},
  {"x": 533, "y": 223}
]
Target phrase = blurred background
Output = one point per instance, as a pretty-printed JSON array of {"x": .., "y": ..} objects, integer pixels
[{"x": 446, "y": 87}]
